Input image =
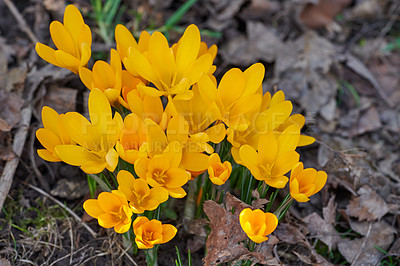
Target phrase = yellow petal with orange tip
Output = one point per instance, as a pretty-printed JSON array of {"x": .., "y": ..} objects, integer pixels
[
  {"x": 254, "y": 76},
  {"x": 73, "y": 22},
  {"x": 169, "y": 232},
  {"x": 48, "y": 156},
  {"x": 92, "y": 207},
  {"x": 47, "y": 53},
  {"x": 62, "y": 39}
]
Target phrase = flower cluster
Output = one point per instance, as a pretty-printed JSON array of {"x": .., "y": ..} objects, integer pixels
[{"x": 158, "y": 118}]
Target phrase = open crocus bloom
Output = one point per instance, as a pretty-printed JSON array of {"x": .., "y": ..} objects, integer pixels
[
  {"x": 305, "y": 182},
  {"x": 257, "y": 224},
  {"x": 149, "y": 233},
  {"x": 141, "y": 198},
  {"x": 238, "y": 93},
  {"x": 275, "y": 156},
  {"x": 111, "y": 209},
  {"x": 73, "y": 40},
  {"x": 96, "y": 138},
  {"x": 217, "y": 171},
  {"x": 171, "y": 72},
  {"x": 52, "y": 135}
]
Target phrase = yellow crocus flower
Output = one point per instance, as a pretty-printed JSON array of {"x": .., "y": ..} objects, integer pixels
[
  {"x": 238, "y": 93},
  {"x": 257, "y": 224},
  {"x": 52, "y": 134},
  {"x": 73, "y": 40},
  {"x": 111, "y": 209},
  {"x": 153, "y": 232},
  {"x": 217, "y": 171},
  {"x": 163, "y": 170},
  {"x": 275, "y": 156},
  {"x": 105, "y": 77},
  {"x": 141, "y": 198},
  {"x": 171, "y": 73},
  {"x": 305, "y": 182},
  {"x": 96, "y": 138}
]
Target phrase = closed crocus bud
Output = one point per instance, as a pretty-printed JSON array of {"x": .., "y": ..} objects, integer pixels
[
  {"x": 150, "y": 233},
  {"x": 217, "y": 171},
  {"x": 257, "y": 224},
  {"x": 305, "y": 182}
]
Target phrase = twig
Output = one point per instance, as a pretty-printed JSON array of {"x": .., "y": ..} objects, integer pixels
[
  {"x": 125, "y": 252},
  {"x": 21, "y": 21},
  {"x": 32, "y": 151},
  {"x": 18, "y": 145},
  {"x": 362, "y": 245},
  {"x": 94, "y": 234},
  {"x": 95, "y": 256}
]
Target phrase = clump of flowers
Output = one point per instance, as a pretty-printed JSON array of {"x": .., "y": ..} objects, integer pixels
[{"x": 159, "y": 120}]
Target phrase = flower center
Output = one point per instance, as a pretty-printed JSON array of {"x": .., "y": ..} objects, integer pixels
[
  {"x": 159, "y": 176},
  {"x": 120, "y": 214},
  {"x": 148, "y": 235}
]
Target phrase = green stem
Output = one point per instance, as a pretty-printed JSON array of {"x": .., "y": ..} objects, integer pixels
[
  {"x": 281, "y": 211},
  {"x": 271, "y": 200}
]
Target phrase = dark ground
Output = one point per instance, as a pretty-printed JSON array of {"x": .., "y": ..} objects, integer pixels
[{"x": 337, "y": 61}]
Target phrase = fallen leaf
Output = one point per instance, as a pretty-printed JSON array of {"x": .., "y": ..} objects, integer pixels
[
  {"x": 70, "y": 188},
  {"x": 363, "y": 251},
  {"x": 261, "y": 43},
  {"x": 223, "y": 241},
  {"x": 302, "y": 67},
  {"x": 260, "y": 9},
  {"x": 258, "y": 203},
  {"x": 61, "y": 99},
  {"x": 369, "y": 121},
  {"x": 368, "y": 206},
  {"x": 329, "y": 212},
  {"x": 319, "y": 13},
  {"x": 289, "y": 234},
  {"x": 10, "y": 110},
  {"x": 263, "y": 254},
  {"x": 223, "y": 12},
  {"x": 322, "y": 230}
]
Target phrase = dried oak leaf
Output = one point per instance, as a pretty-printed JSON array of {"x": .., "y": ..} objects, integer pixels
[
  {"x": 368, "y": 206},
  {"x": 320, "y": 13},
  {"x": 263, "y": 254},
  {"x": 289, "y": 234},
  {"x": 363, "y": 251},
  {"x": 222, "y": 242},
  {"x": 323, "y": 230},
  {"x": 258, "y": 203}
]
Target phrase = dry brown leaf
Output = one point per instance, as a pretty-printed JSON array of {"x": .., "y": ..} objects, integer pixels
[
  {"x": 4, "y": 262},
  {"x": 10, "y": 110},
  {"x": 223, "y": 241},
  {"x": 363, "y": 251},
  {"x": 302, "y": 67},
  {"x": 320, "y": 13},
  {"x": 260, "y": 9},
  {"x": 261, "y": 43},
  {"x": 224, "y": 11},
  {"x": 368, "y": 206},
  {"x": 289, "y": 234},
  {"x": 61, "y": 99},
  {"x": 263, "y": 254},
  {"x": 71, "y": 189},
  {"x": 329, "y": 212},
  {"x": 258, "y": 203},
  {"x": 322, "y": 230},
  {"x": 369, "y": 121}
]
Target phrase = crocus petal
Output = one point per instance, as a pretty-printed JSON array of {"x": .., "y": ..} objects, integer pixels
[
  {"x": 284, "y": 163},
  {"x": 267, "y": 149},
  {"x": 93, "y": 208},
  {"x": 48, "y": 156},
  {"x": 288, "y": 139},
  {"x": 231, "y": 86},
  {"x": 320, "y": 181},
  {"x": 254, "y": 76},
  {"x": 159, "y": 193},
  {"x": 47, "y": 53},
  {"x": 122, "y": 228},
  {"x": 112, "y": 160},
  {"x": 169, "y": 231},
  {"x": 47, "y": 138},
  {"x": 62, "y": 39},
  {"x": 108, "y": 220},
  {"x": 194, "y": 161},
  {"x": 176, "y": 192}
]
